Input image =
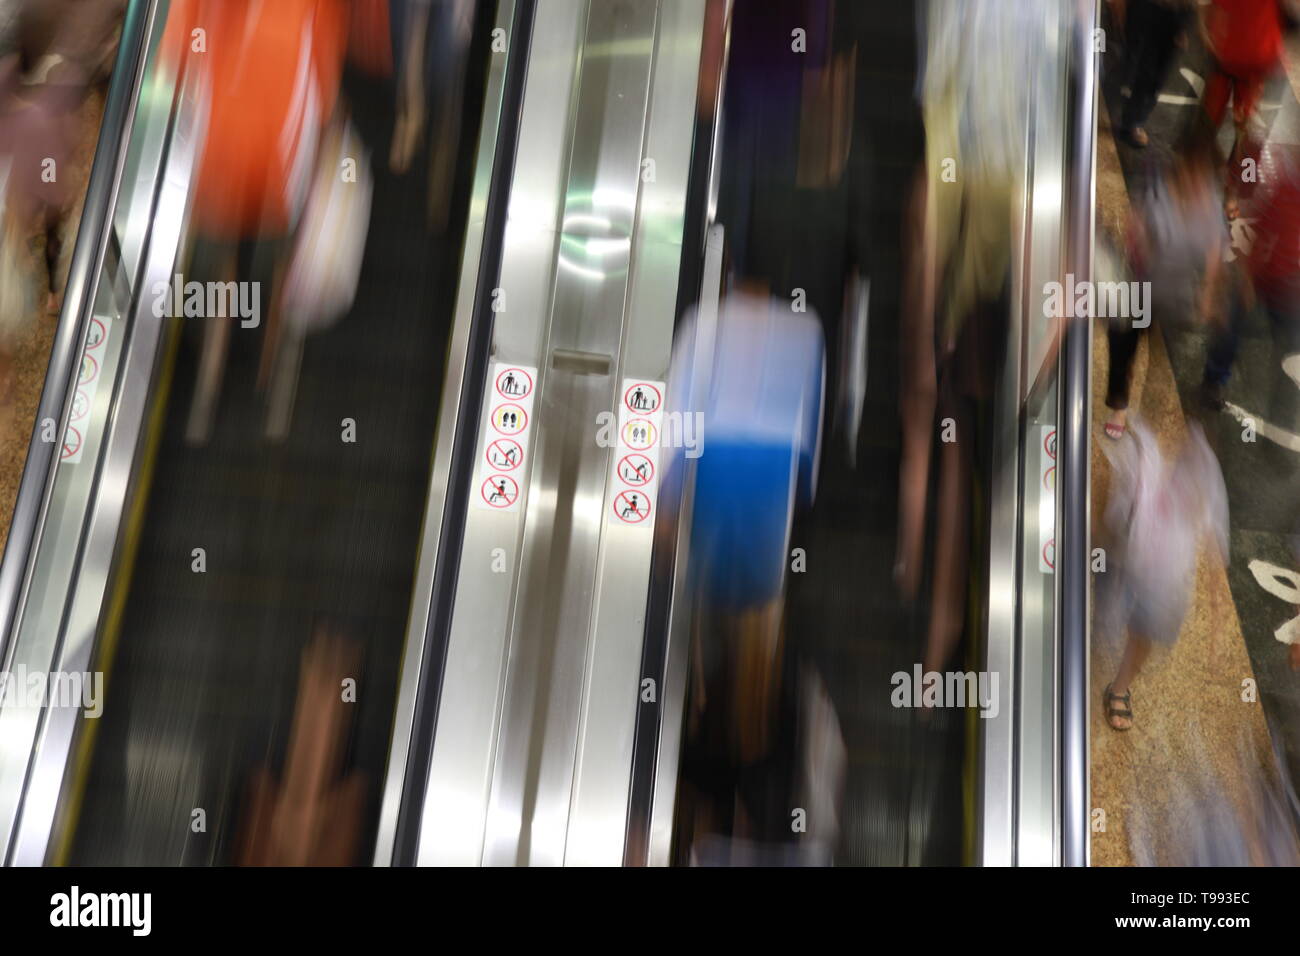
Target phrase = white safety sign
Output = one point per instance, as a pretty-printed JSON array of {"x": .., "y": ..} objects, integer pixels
[
  {"x": 503, "y": 445},
  {"x": 1047, "y": 499},
  {"x": 83, "y": 400},
  {"x": 634, "y": 479}
]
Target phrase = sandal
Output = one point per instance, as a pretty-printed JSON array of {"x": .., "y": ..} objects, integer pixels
[{"x": 1124, "y": 713}]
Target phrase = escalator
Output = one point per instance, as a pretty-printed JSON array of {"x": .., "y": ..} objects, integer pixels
[
  {"x": 233, "y": 553},
  {"x": 481, "y": 520}
]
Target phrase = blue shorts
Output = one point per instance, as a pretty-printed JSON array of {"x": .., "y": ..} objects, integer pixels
[{"x": 740, "y": 525}]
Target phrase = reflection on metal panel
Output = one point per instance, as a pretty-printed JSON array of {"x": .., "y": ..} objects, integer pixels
[{"x": 533, "y": 746}]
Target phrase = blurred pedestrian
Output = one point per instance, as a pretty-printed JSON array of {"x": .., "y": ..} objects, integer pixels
[
  {"x": 1153, "y": 30},
  {"x": 1161, "y": 507}
]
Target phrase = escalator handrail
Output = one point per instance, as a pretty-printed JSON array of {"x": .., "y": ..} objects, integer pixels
[
  {"x": 462, "y": 462},
  {"x": 1073, "y": 502},
  {"x": 93, "y": 237}
]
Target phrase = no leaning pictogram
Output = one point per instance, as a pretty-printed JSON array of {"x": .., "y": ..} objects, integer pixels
[
  {"x": 514, "y": 383},
  {"x": 636, "y": 470},
  {"x": 505, "y": 454},
  {"x": 632, "y": 506},
  {"x": 499, "y": 491}
]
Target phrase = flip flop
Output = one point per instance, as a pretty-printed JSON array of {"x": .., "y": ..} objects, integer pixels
[{"x": 1126, "y": 712}]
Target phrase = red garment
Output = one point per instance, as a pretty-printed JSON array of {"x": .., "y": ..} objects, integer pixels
[
  {"x": 1275, "y": 254},
  {"x": 274, "y": 68},
  {"x": 370, "y": 38},
  {"x": 1245, "y": 89},
  {"x": 1246, "y": 35}
]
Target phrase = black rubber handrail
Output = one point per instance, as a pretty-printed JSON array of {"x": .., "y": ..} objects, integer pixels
[
  {"x": 478, "y": 357},
  {"x": 1074, "y": 415}
]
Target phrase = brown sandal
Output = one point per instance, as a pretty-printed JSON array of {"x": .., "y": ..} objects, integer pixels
[{"x": 1125, "y": 712}]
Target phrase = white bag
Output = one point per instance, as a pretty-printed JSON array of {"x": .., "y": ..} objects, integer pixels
[{"x": 321, "y": 280}]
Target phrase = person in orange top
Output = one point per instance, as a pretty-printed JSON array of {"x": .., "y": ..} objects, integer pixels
[{"x": 272, "y": 72}]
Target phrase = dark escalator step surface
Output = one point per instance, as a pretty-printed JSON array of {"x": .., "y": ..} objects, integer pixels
[{"x": 312, "y": 532}]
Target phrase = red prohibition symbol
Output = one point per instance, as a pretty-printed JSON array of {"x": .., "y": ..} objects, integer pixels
[
  {"x": 89, "y": 369},
  {"x": 505, "y": 454},
  {"x": 514, "y": 383},
  {"x": 71, "y": 442},
  {"x": 80, "y": 406},
  {"x": 1049, "y": 554},
  {"x": 642, "y": 398},
  {"x": 640, "y": 434},
  {"x": 1049, "y": 444},
  {"x": 636, "y": 470},
  {"x": 632, "y": 506},
  {"x": 499, "y": 491},
  {"x": 97, "y": 334}
]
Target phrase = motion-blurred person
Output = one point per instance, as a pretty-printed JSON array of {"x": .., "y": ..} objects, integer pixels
[
  {"x": 1271, "y": 279},
  {"x": 1242, "y": 815},
  {"x": 311, "y": 815},
  {"x": 1162, "y": 506},
  {"x": 433, "y": 38},
  {"x": 794, "y": 200},
  {"x": 756, "y": 378},
  {"x": 978, "y": 65},
  {"x": 51, "y": 53},
  {"x": 1245, "y": 37},
  {"x": 1177, "y": 239},
  {"x": 1152, "y": 32},
  {"x": 45, "y": 69},
  {"x": 273, "y": 72}
]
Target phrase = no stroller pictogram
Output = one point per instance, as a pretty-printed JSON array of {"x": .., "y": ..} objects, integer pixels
[
  {"x": 632, "y": 506},
  {"x": 499, "y": 491}
]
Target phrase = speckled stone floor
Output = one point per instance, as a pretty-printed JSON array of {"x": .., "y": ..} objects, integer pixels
[{"x": 18, "y": 409}]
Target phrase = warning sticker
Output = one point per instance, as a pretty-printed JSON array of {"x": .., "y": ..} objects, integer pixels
[
  {"x": 503, "y": 442},
  {"x": 1047, "y": 499},
  {"x": 636, "y": 470},
  {"x": 505, "y": 453},
  {"x": 92, "y": 359},
  {"x": 499, "y": 491},
  {"x": 514, "y": 383},
  {"x": 634, "y": 481}
]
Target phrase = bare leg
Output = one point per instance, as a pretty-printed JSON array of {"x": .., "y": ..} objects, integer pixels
[
  {"x": 212, "y": 369},
  {"x": 952, "y": 544},
  {"x": 756, "y": 678},
  {"x": 917, "y": 393}
]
